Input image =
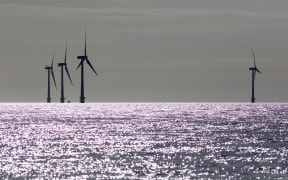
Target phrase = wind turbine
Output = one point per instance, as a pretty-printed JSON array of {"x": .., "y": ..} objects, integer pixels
[
  {"x": 50, "y": 69},
  {"x": 62, "y": 98},
  {"x": 84, "y": 58},
  {"x": 254, "y": 71}
]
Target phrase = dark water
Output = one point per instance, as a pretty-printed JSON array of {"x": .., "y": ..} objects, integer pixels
[{"x": 144, "y": 141}]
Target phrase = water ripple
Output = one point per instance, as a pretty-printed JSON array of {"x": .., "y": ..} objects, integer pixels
[{"x": 144, "y": 141}]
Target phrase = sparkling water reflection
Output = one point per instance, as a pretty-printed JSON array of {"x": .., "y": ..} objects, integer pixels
[{"x": 144, "y": 141}]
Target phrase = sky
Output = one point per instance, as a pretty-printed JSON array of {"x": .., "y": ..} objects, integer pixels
[{"x": 145, "y": 50}]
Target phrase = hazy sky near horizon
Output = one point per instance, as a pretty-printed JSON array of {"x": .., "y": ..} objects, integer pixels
[{"x": 146, "y": 50}]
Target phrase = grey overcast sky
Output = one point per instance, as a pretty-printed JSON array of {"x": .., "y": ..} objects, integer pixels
[{"x": 146, "y": 50}]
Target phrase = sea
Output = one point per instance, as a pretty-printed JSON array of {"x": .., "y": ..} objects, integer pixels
[{"x": 144, "y": 141}]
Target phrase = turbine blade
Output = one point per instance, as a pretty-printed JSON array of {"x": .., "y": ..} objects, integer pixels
[
  {"x": 91, "y": 66},
  {"x": 68, "y": 74},
  {"x": 52, "y": 59},
  {"x": 258, "y": 71},
  {"x": 85, "y": 43},
  {"x": 80, "y": 64},
  {"x": 53, "y": 78},
  {"x": 254, "y": 57},
  {"x": 65, "y": 53}
]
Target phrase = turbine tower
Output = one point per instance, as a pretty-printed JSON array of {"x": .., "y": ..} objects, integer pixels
[
  {"x": 50, "y": 69},
  {"x": 254, "y": 71},
  {"x": 62, "y": 98},
  {"x": 84, "y": 58}
]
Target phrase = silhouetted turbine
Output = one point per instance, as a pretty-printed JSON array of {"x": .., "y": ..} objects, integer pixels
[
  {"x": 84, "y": 58},
  {"x": 254, "y": 71},
  {"x": 62, "y": 98},
  {"x": 50, "y": 69}
]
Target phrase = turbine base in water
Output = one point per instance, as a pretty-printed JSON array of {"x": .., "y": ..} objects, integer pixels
[
  {"x": 62, "y": 100},
  {"x": 82, "y": 99}
]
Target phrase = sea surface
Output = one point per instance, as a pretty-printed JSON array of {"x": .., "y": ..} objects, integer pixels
[{"x": 143, "y": 141}]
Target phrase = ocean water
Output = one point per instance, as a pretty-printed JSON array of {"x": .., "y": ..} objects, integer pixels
[{"x": 144, "y": 141}]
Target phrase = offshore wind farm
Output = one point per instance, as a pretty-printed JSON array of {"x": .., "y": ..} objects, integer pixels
[
  {"x": 83, "y": 59},
  {"x": 174, "y": 98}
]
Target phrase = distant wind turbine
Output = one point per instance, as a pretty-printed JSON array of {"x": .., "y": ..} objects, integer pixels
[
  {"x": 50, "y": 69},
  {"x": 62, "y": 98},
  {"x": 254, "y": 71},
  {"x": 84, "y": 58}
]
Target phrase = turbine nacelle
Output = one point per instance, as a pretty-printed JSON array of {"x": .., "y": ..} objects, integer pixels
[
  {"x": 61, "y": 64},
  {"x": 48, "y": 67},
  {"x": 255, "y": 69},
  {"x": 82, "y": 57}
]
